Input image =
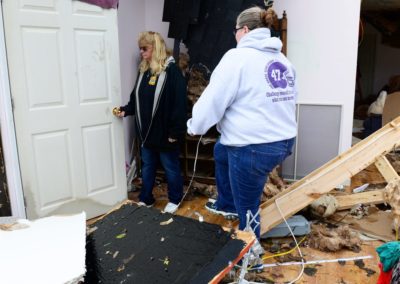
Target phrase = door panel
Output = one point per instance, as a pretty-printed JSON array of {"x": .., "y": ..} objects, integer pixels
[{"x": 64, "y": 73}]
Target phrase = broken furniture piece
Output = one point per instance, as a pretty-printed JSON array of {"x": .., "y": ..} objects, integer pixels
[
  {"x": 324, "y": 179},
  {"x": 136, "y": 244}
]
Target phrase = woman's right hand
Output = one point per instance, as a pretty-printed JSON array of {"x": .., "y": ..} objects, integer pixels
[{"x": 117, "y": 112}]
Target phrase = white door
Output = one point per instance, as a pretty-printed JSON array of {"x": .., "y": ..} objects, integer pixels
[{"x": 64, "y": 73}]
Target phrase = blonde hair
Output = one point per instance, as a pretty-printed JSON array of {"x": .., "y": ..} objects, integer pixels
[
  {"x": 160, "y": 52},
  {"x": 256, "y": 17}
]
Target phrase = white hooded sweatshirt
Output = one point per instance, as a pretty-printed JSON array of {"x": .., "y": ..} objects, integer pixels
[{"x": 251, "y": 95}]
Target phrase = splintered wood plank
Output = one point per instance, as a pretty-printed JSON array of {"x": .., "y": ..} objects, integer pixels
[
  {"x": 350, "y": 200},
  {"x": 327, "y": 177},
  {"x": 385, "y": 168}
]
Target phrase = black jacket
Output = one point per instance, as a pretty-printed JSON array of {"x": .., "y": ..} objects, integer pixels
[{"x": 169, "y": 110}]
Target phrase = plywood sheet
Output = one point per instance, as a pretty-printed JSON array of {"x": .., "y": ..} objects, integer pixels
[{"x": 377, "y": 224}]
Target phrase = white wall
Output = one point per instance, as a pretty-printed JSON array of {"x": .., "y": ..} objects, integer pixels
[
  {"x": 135, "y": 16},
  {"x": 322, "y": 44}
]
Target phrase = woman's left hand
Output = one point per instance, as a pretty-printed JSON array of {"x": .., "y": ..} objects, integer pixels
[{"x": 171, "y": 140}]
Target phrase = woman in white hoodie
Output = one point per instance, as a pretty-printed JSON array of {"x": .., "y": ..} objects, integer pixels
[{"x": 252, "y": 99}]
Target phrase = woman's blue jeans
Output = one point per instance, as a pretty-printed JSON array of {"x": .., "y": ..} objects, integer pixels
[
  {"x": 241, "y": 173},
  {"x": 170, "y": 162}
]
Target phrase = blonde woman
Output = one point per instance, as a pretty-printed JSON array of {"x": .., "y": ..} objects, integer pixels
[{"x": 158, "y": 102}]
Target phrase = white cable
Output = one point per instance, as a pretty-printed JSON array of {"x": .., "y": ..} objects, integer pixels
[
  {"x": 194, "y": 171},
  {"x": 345, "y": 259},
  {"x": 294, "y": 238}
]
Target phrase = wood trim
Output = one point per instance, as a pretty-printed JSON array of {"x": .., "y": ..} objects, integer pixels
[
  {"x": 284, "y": 32},
  {"x": 8, "y": 135},
  {"x": 327, "y": 177}
]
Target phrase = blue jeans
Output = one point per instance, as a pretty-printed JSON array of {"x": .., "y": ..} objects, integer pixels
[
  {"x": 241, "y": 173},
  {"x": 170, "y": 163}
]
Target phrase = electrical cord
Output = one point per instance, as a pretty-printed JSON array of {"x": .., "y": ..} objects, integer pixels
[
  {"x": 194, "y": 171},
  {"x": 286, "y": 252},
  {"x": 295, "y": 240}
]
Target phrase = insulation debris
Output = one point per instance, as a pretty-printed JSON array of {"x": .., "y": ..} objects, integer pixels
[
  {"x": 275, "y": 184},
  {"x": 207, "y": 190},
  {"x": 196, "y": 84},
  {"x": 359, "y": 211},
  {"x": 391, "y": 194},
  {"x": 333, "y": 239}
]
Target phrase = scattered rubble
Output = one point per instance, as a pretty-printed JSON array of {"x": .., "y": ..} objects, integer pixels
[
  {"x": 391, "y": 195},
  {"x": 333, "y": 239}
]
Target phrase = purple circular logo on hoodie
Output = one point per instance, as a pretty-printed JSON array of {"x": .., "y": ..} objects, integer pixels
[{"x": 275, "y": 73}]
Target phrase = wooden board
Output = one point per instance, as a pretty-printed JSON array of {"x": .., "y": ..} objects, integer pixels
[
  {"x": 333, "y": 173},
  {"x": 350, "y": 200},
  {"x": 386, "y": 169}
]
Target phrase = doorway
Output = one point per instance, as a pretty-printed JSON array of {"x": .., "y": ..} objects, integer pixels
[
  {"x": 5, "y": 204},
  {"x": 377, "y": 65}
]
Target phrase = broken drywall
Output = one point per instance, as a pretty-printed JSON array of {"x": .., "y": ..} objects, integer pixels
[{"x": 47, "y": 251}]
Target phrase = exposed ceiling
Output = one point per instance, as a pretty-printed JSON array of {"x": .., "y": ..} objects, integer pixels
[
  {"x": 384, "y": 16},
  {"x": 368, "y": 5}
]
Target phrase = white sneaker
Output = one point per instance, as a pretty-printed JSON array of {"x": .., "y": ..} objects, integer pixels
[
  {"x": 171, "y": 208},
  {"x": 141, "y": 203}
]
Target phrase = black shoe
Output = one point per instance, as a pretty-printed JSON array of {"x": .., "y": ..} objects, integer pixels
[{"x": 210, "y": 206}]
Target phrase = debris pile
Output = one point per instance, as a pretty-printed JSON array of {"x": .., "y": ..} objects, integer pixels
[
  {"x": 391, "y": 195},
  {"x": 333, "y": 239},
  {"x": 198, "y": 81},
  {"x": 275, "y": 184}
]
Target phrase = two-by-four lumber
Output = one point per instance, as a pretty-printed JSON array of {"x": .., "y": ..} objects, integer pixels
[
  {"x": 385, "y": 168},
  {"x": 369, "y": 197},
  {"x": 327, "y": 177}
]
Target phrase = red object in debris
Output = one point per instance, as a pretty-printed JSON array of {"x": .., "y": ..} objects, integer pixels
[{"x": 384, "y": 277}]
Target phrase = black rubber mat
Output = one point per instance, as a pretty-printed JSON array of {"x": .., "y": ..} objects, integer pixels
[{"x": 133, "y": 245}]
